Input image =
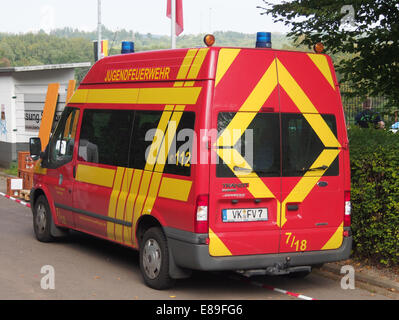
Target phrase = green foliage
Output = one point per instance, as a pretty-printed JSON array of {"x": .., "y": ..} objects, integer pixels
[
  {"x": 69, "y": 45},
  {"x": 375, "y": 194},
  {"x": 13, "y": 169},
  {"x": 368, "y": 50}
]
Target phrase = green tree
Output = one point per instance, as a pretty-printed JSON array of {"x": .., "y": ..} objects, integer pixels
[{"x": 368, "y": 45}]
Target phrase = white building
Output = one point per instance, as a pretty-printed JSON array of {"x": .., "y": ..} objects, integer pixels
[{"x": 22, "y": 95}]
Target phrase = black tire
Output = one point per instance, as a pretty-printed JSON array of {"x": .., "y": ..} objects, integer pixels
[
  {"x": 154, "y": 260},
  {"x": 299, "y": 274},
  {"x": 42, "y": 220}
]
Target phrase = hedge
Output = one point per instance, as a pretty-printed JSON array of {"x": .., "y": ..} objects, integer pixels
[{"x": 375, "y": 194}]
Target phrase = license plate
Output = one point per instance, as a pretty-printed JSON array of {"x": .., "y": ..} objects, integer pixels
[{"x": 244, "y": 215}]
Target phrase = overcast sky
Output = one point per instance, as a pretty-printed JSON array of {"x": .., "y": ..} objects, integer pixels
[{"x": 144, "y": 16}]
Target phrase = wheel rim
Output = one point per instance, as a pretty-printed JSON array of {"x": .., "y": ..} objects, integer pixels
[
  {"x": 41, "y": 220},
  {"x": 152, "y": 258}
]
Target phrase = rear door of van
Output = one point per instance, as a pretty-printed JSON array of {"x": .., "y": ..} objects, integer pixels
[
  {"x": 278, "y": 180},
  {"x": 245, "y": 184},
  {"x": 313, "y": 131}
]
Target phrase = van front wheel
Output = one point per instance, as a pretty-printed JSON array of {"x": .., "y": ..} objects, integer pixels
[
  {"x": 154, "y": 260},
  {"x": 42, "y": 220}
]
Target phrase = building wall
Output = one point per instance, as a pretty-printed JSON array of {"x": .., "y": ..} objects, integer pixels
[
  {"x": 18, "y": 91},
  {"x": 6, "y": 102},
  {"x": 31, "y": 89}
]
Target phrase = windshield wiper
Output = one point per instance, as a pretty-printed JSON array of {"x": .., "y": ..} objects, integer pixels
[
  {"x": 252, "y": 171},
  {"x": 323, "y": 167},
  {"x": 235, "y": 168}
]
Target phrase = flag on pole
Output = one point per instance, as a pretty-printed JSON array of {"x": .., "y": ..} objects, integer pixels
[{"x": 179, "y": 15}]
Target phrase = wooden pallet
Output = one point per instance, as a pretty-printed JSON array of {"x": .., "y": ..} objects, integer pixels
[
  {"x": 24, "y": 194},
  {"x": 27, "y": 176},
  {"x": 13, "y": 192}
]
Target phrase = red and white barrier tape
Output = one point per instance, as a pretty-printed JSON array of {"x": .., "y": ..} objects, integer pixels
[
  {"x": 26, "y": 204},
  {"x": 258, "y": 284},
  {"x": 265, "y": 286}
]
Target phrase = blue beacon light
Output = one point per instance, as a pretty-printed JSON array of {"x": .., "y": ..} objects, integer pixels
[
  {"x": 264, "y": 40},
  {"x": 127, "y": 47}
]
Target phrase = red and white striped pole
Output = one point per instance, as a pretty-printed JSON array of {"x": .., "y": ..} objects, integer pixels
[{"x": 26, "y": 204}]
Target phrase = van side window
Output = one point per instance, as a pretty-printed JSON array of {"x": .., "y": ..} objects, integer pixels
[
  {"x": 259, "y": 145},
  {"x": 181, "y": 153},
  {"x": 105, "y": 136},
  {"x": 301, "y": 145},
  {"x": 145, "y": 122},
  {"x": 63, "y": 140}
]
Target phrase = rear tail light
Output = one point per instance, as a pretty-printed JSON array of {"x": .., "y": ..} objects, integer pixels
[
  {"x": 201, "y": 214},
  {"x": 347, "y": 215}
]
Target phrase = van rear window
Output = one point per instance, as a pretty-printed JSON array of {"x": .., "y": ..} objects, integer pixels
[
  {"x": 270, "y": 154},
  {"x": 301, "y": 146},
  {"x": 259, "y": 145}
]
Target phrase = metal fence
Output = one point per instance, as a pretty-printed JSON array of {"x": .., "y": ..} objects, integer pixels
[{"x": 353, "y": 105}]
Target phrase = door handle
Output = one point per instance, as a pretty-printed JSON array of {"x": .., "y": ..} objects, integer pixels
[
  {"x": 292, "y": 207},
  {"x": 74, "y": 172}
]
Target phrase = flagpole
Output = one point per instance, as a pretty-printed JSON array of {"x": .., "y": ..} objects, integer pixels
[
  {"x": 173, "y": 22},
  {"x": 99, "y": 32}
]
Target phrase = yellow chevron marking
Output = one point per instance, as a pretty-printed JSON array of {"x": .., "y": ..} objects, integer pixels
[
  {"x": 225, "y": 60},
  {"x": 336, "y": 240},
  {"x": 235, "y": 129},
  {"x": 321, "y": 63},
  {"x": 174, "y": 95},
  {"x": 185, "y": 66},
  {"x": 189, "y": 83},
  {"x": 197, "y": 64},
  {"x": 176, "y": 189},
  {"x": 322, "y": 130},
  {"x": 216, "y": 246},
  {"x": 167, "y": 141},
  {"x": 134, "y": 190},
  {"x": 262, "y": 90},
  {"x": 39, "y": 169},
  {"x": 139, "y": 204},
  {"x": 152, "y": 193},
  {"x": 185, "y": 95},
  {"x": 113, "y": 201},
  {"x": 180, "y": 108},
  {"x": 95, "y": 175},
  {"x": 309, "y": 180},
  {"x": 251, "y": 106},
  {"x": 80, "y": 96},
  {"x": 120, "y": 208},
  {"x": 157, "y": 140},
  {"x": 306, "y": 107}
]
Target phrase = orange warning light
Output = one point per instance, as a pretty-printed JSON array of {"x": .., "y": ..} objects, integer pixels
[
  {"x": 209, "y": 40},
  {"x": 318, "y": 47}
]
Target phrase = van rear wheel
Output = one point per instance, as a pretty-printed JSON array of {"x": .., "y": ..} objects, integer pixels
[{"x": 154, "y": 260}]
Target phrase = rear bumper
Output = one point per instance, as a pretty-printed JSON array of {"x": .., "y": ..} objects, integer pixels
[{"x": 188, "y": 252}]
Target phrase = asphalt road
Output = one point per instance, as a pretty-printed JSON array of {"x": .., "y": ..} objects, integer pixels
[{"x": 90, "y": 268}]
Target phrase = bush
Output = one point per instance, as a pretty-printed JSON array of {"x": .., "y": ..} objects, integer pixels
[{"x": 375, "y": 194}]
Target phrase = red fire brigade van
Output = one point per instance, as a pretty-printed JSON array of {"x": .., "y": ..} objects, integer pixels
[{"x": 202, "y": 159}]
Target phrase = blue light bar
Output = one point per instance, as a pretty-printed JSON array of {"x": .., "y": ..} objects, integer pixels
[
  {"x": 264, "y": 40},
  {"x": 127, "y": 47}
]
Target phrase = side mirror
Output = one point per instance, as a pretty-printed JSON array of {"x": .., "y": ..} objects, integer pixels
[{"x": 35, "y": 148}]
